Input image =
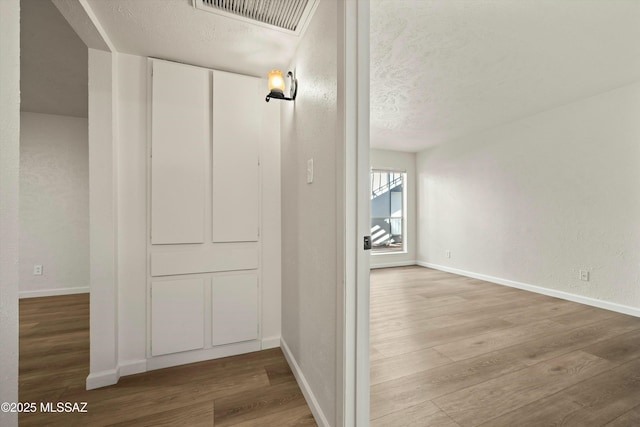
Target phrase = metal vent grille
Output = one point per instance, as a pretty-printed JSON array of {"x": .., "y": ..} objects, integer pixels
[{"x": 288, "y": 15}]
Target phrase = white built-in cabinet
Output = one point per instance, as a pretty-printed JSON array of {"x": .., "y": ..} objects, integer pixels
[{"x": 204, "y": 211}]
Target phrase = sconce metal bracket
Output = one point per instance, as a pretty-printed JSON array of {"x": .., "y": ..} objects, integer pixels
[{"x": 293, "y": 91}]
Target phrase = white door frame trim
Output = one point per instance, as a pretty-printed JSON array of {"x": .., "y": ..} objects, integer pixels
[{"x": 353, "y": 93}]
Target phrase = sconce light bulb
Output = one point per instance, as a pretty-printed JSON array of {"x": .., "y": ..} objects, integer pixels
[{"x": 276, "y": 81}]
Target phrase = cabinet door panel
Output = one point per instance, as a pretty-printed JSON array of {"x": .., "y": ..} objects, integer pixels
[
  {"x": 177, "y": 316},
  {"x": 179, "y": 144},
  {"x": 236, "y": 135},
  {"x": 235, "y": 308}
]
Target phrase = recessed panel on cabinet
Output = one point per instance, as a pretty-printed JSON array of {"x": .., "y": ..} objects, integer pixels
[
  {"x": 177, "y": 316},
  {"x": 235, "y": 308},
  {"x": 224, "y": 257},
  {"x": 236, "y": 135},
  {"x": 179, "y": 147}
]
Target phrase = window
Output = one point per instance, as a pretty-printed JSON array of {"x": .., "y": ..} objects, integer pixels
[{"x": 387, "y": 211}]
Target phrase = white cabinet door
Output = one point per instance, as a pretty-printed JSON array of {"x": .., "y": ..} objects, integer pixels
[
  {"x": 236, "y": 135},
  {"x": 235, "y": 308},
  {"x": 179, "y": 149},
  {"x": 177, "y": 316}
]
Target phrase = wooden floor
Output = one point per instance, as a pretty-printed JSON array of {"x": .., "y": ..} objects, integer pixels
[
  {"x": 445, "y": 351},
  {"x": 453, "y": 351},
  {"x": 256, "y": 389}
]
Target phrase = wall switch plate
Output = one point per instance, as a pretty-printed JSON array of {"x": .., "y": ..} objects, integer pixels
[
  {"x": 37, "y": 270},
  {"x": 309, "y": 171},
  {"x": 584, "y": 275},
  {"x": 447, "y": 253}
]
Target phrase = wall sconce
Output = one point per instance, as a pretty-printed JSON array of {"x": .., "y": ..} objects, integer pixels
[{"x": 276, "y": 86}]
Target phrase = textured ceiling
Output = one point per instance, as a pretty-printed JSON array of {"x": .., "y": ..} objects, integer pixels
[
  {"x": 445, "y": 69},
  {"x": 175, "y": 30},
  {"x": 53, "y": 62}
]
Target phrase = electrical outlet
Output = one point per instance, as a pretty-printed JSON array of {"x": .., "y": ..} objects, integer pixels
[
  {"x": 447, "y": 253},
  {"x": 584, "y": 275},
  {"x": 37, "y": 270}
]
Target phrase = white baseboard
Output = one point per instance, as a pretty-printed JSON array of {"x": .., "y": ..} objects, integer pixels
[
  {"x": 132, "y": 367},
  {"x": 612, "y": 306},
  {"x": 53, "y": 292},
  {"x": 393, "y": 264},
  {"x": 103, "y": 378},
  {"x": 271, "y": 342},
  {"x": 112, "y": 376},
  {"x": 183, "y": 358},
  {"x": 304, "y": 386}
]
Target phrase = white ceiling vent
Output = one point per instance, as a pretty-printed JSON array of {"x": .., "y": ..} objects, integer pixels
[{"x": 289, "y": 16}]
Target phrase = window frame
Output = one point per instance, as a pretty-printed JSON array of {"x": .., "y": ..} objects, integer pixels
[{"x": 403, "y": 217}]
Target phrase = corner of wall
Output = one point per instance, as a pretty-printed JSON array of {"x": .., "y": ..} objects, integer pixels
[{"x": 535, "y": 201}]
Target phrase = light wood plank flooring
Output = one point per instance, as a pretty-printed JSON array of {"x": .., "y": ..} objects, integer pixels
[
  {"x": 256, "y": 389},
  {"x": 448, "y": 350}
]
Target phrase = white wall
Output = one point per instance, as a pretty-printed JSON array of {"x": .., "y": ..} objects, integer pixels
[
  {"x": 309, "y": 214},
  {"x": 399, "y": 161},
  {"x": 271, "y": 227},
  {"x": 54, "y": 204},
  {"x": 539, "y": 199},
  {"x": 103, "y": 267},
  {"x": 9, "y": 199},
  {"x": 132, "y": 211}
]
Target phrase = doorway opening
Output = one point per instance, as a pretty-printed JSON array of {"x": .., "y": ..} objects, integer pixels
[{"x": 54, "y": 274}]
